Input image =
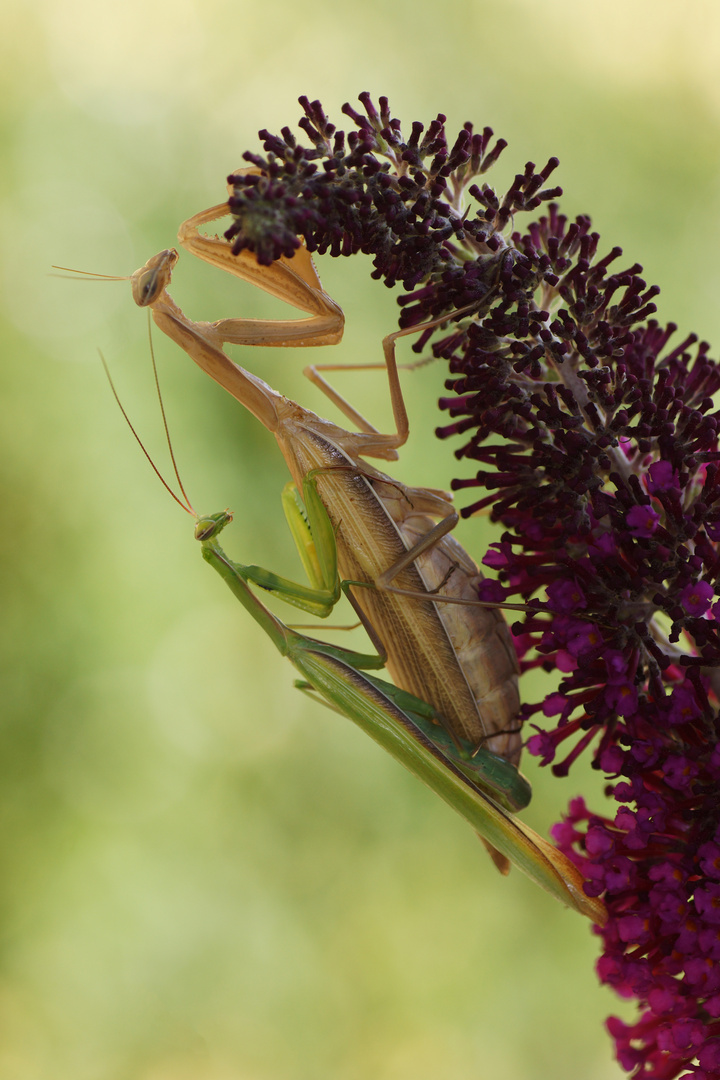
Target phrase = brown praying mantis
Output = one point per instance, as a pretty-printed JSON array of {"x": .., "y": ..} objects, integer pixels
[
  {"x": 411, "y": 583},
  {"x": 402, "y": 724}
]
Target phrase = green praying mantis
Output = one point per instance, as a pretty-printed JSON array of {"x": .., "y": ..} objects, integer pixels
[{"x": 407, "y": 728}]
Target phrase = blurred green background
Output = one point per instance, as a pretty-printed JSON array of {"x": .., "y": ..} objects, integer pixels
[{"x": 202, "y": 876}]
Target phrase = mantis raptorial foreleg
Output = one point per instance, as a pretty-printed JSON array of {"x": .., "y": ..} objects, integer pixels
[
  {"x": 295, "y": 281},
  {"x": 316, "y": 546}
]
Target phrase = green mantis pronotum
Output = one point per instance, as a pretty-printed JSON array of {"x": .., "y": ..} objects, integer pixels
[{"x": 402, "y": 724}]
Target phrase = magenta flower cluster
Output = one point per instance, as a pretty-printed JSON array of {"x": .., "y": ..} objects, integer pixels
[{"x": 595, "y": 441}]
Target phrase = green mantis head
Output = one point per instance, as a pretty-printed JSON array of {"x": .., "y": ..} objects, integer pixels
[{"x": 211, "y": 525}]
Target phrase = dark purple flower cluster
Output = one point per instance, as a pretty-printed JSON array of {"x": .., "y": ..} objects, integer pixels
[
  {"x": 374, "y": 192},
  {"x": 596, "y": 444}
]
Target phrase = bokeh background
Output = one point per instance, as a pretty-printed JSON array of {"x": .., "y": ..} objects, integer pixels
[{"x": 202, "y": 876}]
